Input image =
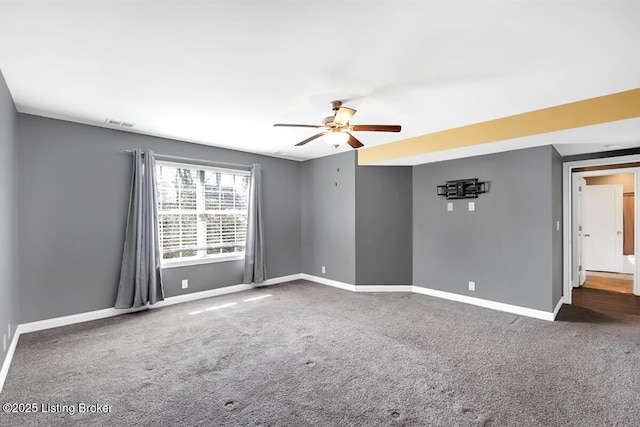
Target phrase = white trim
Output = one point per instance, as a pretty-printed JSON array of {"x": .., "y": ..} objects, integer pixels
[
  {"x": 40, "y": 325},
  {"x": 211, "y": 259},
  {"x": 55, "y": 322},
  {"x": 201, "y": 256},
  {"x": 328, "y": 282},
  {"x": 514, "y": 309},
  {"x": 281, "y": 279},
  {"x": 178, "y": 299},
  {"x": 636, "y": 245},
  {"x": 8, "y": 358},
  {"x": 567, "y": 230},
  {"x": 196, "y": 166},
  {"x": 384, "y": 288},
  {"x": 567, "y": 214},
  {"x": 557, "y": 309},
  {"x": 194, "y": 296},
  {"x": 110, "y": 312}
]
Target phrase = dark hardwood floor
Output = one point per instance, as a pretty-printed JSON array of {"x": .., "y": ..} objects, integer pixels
[{"x": 600, "y": 300}]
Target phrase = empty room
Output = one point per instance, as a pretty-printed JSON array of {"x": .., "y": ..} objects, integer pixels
[{"x": 319, "y": 213}]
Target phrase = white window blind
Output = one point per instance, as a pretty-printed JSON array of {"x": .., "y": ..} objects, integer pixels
[{"x": 202, "y": 211}]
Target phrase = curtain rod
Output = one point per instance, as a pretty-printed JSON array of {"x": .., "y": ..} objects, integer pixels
[{"x": 196, "y": 161}]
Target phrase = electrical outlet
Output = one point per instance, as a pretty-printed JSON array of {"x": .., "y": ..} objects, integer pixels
[
  {"x": 557, "y": 225},
  {"x": 472, "y": 206},
  {"x": 324, "y": 270},
  {"x": 472, "y": 286},
  {"x": 185, "y": 284},
  {"x": 450, "y": 206}
]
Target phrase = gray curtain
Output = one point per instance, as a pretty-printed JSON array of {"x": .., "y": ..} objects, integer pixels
[
  {"x": 140, "y": 275},
  {"x": 254, "y": 265}
]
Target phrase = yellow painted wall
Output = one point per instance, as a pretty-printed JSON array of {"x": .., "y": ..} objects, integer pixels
[{"x": 602, "y": 109}]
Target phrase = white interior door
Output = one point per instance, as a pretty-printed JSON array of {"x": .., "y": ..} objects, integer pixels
[{"x": 602, "y": 227}]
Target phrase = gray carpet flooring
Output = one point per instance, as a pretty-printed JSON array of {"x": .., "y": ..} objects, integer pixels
[{"x": 311, "y": 355}]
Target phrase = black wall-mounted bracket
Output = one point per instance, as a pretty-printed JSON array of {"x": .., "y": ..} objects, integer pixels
[{"x": 463, "y": 189}]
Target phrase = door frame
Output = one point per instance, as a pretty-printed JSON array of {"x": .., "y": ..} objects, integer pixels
[
  {"x": 567, "y": 213},
  {"x": 578, "y": 215}
]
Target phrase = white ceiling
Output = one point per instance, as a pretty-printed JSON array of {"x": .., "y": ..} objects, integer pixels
[{"x": 223, "y": 72}]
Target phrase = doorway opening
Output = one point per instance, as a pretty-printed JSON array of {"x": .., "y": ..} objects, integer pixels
[
  {"x": 605, "y": 232},
  {"x": 600, "y": 229}
]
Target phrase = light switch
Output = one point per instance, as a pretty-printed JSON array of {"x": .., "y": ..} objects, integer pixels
[
  {"x": 472, "y": 206},
  {"x": 450, "y": 206}
]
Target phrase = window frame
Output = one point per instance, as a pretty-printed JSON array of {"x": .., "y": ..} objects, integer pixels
[{"x": 202, "y": 259}]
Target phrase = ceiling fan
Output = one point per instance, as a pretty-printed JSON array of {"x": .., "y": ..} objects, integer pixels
[{"x": 336, "y": 129}]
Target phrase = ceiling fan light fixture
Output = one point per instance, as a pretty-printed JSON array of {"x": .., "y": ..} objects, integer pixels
[
  {"x": 335, "y": 138},
  {"x": 336, "y": 130},
  {"x": 343, "y": 115}
]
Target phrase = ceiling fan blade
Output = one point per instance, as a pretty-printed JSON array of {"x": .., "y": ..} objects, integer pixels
[
  {"x": 343, "y": 115},
  {"x": 376, "y": 128},
  {"x": 353, "y": 142},
  {"x": 318, "y": 135},
  {"x": 296, "y": 126}
]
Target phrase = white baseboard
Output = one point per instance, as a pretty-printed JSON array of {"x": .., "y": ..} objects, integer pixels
[
  {"x": 514, "y": 309},
  {"x": 194, "y": 296},
  {"x": 223, "y": 291},
  {"x": 281, "y": 279},
  {"x": 8, "y": 358},
  {"x": 110, "y": 312},
  {"x": 557, "y": 309},
  {"x": 328, "y": 282},
  {"x": 356, "y": 288},
  {"x": 56, "y": 322},
  {"x": 39, "y": 325},
  {"x": 384, "y": 288}
]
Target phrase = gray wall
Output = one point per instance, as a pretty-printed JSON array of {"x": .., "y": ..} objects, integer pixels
[
  {"x": 73, "y": 194},
  {"x": 556, "y": 207},
  {"x": 378, "y": 225},
  {"x": 383, "y": 225},
  {"x": 9, "y": 313},
  {"x": 328, "y": 217},
  {"x": 505, "y": 246}
]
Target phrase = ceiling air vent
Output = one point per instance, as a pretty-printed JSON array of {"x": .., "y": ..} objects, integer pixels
[{"x": 118, "y": 123}]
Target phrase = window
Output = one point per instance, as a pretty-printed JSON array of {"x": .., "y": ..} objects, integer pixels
[{"x": 202, "y": 213}]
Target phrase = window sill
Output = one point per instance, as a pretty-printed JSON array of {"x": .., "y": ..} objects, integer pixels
[{"x": 198, "y": 261}]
